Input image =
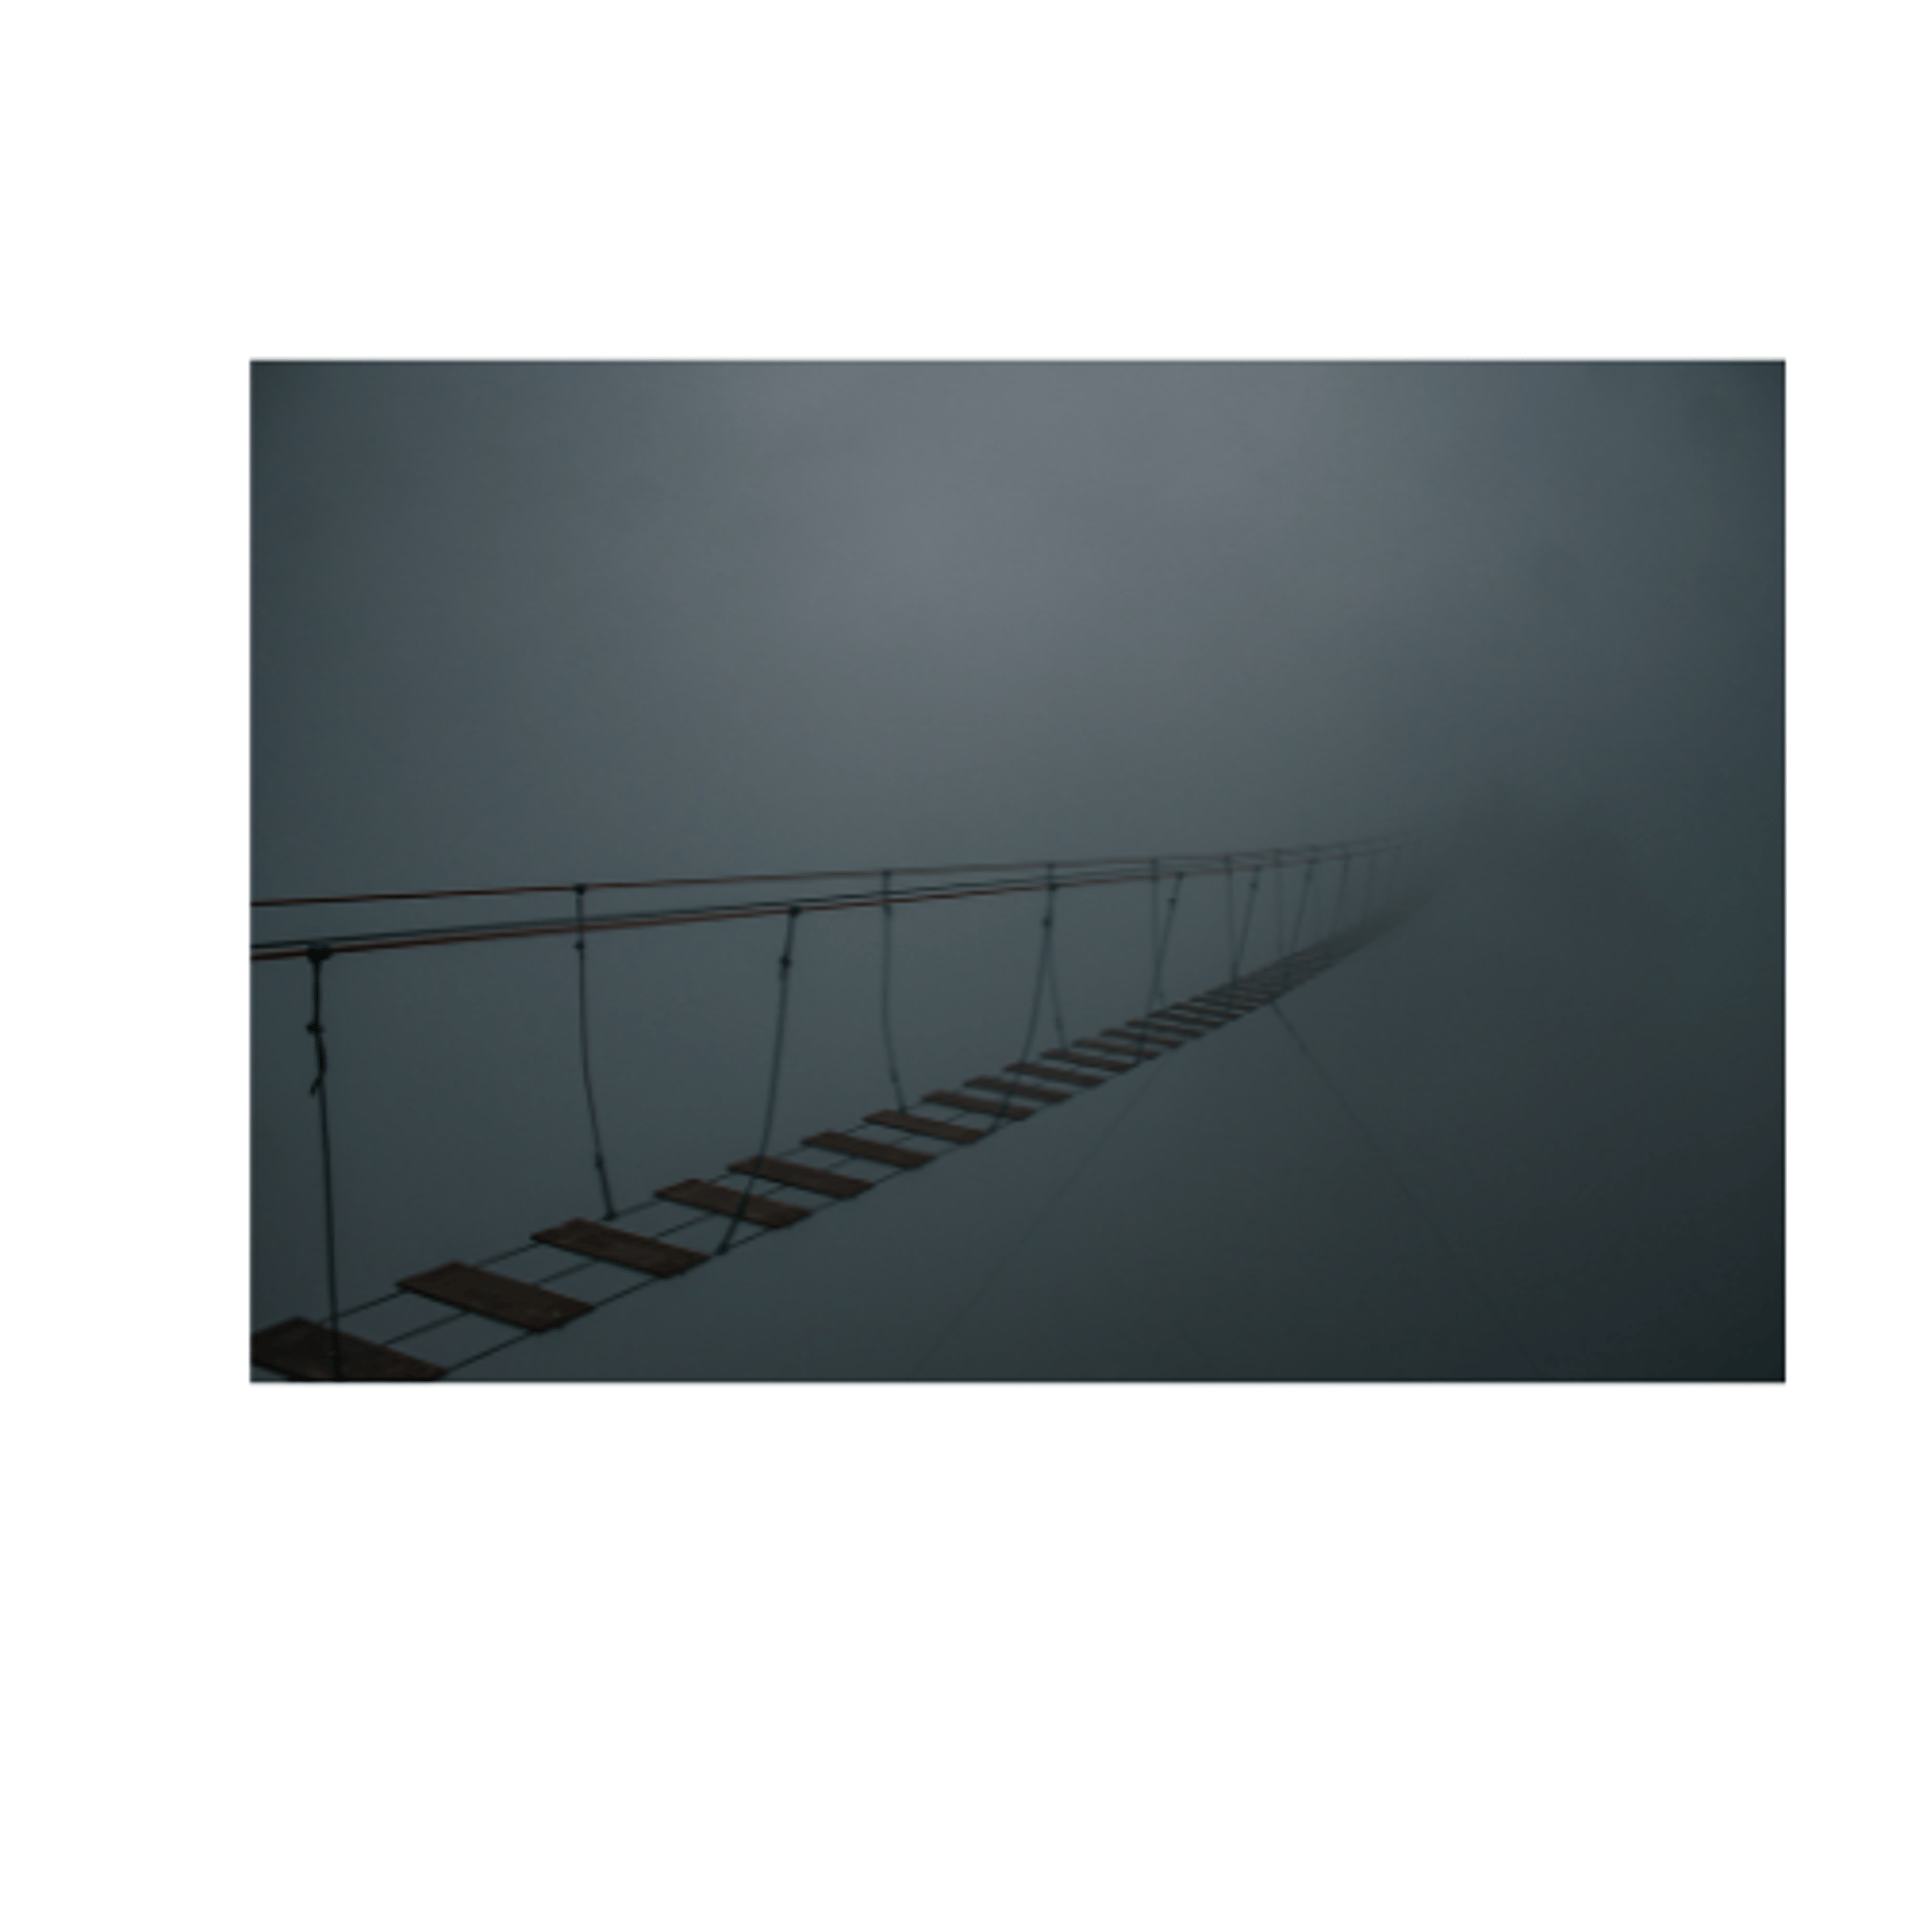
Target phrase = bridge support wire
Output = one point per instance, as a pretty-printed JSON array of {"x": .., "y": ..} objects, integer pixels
[
  {"x": 300, "y": 1349},
  {"x": 1053, "y": 968},
  {"x": 317, "y": 955},
  {"x": 1246, "y": 925},
  {"x": 1300, "y": 912},
  {"x": 1453, "y": 1255},
  {"x": 586, "y": 1061},
  {"x": 886, "y": 984},
  {"x": 773, "y": 1082}
]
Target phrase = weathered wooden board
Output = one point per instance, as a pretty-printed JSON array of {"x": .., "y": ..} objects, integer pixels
[
  {"x": 932, "y": 1129},
  {"x": 734, "y": 1202},
  {"x": 303, "y": 1350},
  {"x": 886, "y": 1152},
  {"x": 1045, "y": 1095},
  {"x": 497, "y": 1297},
  {"x": 1087, "y": 1060},
  {"x": 598, "y": 1241},
  {"x": 972, "y": 1103},
  {"x": 794, "y": 1173},
  {"x": 1058, "y": 1074},
  {"x": 1141, "y": 1049}
]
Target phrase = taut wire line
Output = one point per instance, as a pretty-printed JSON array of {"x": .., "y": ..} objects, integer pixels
[
  {"x": 755, "y": 879},
  {"x": 1039, "y": 1219},
  {"x": 1453, "y": 1254}
]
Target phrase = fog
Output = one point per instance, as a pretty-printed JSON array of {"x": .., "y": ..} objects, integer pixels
[{"x": 579, "y": 623}]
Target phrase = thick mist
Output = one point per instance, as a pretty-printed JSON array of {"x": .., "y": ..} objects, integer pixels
[{"x": 519, "y": 624}]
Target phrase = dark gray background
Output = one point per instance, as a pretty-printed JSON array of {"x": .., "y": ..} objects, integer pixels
[{"x": 536, "y": 623}]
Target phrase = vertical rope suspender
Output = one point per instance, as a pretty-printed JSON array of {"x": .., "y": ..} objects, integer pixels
[
  {"x": 773, "y": 1083},
  {"x": 586, "y": 1066},
  {"x": 317, "y": 955}
]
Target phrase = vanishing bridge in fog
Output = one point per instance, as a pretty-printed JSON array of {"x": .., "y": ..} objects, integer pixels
[{"x": 1366, "y": 889}]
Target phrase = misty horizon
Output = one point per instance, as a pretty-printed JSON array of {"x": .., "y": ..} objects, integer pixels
[{"x": 522, "y": 625}]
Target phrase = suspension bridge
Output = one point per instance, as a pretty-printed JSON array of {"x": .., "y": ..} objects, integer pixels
[{"x": 1365, "y": 887}]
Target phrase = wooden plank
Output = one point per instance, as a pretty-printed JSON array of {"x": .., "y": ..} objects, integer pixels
[
  {"x": 932, "y": 1129},
  {"x": 457, "y": 1285},
  {"x": 1087, "y": 1060},
  {"x": 734, "y": 1202},
  {"x": 791, "y": 1173},
  {"x": 619, "y": 1248},
  {"x": 1127, "y": 1049},
  {"x": 972, "y": 1103},
  {"x": 1059, "y": 1074},
  {"x": 1145, "y": 1045},
  {"x": 1045, "y": 1095},
  {"x": 887, "y": 1152},
  {"x": 303, "y": 1350}
]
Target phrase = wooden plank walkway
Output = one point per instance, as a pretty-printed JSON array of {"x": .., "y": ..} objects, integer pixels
[
  {"x": 1058, "y": 1074},
  {"x": 493, "y": 1295},
  {"x": 932, "y": 1129},
  {"x": 1045, "y": 1095},
  {"x": 732, "y": 1203},
  {"x": 598, "y": 1241},
  {"x": 886, "y": 1152},
  {"x": 304, "y": 1350},
  {"x": 972, "y": 1103},
  {"x": 791, "y": 1173}
]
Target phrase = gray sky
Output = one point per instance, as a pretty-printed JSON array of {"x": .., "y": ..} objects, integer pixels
[{"x": 544, "y": 623}]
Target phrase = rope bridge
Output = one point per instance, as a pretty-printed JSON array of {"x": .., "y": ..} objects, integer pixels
[{"x": 609, "y": 1258}]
